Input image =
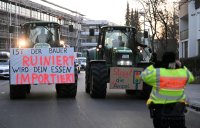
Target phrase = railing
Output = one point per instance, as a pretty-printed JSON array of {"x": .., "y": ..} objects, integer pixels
[
  {"x": 184, "y": 34},
  {"x": 183, "y": 6}
]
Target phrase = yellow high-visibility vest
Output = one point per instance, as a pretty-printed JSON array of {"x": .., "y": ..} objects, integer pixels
[{"x": 167, "y": 84}]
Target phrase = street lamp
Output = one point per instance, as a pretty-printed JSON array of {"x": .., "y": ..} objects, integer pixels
[
  {"x": 142, "y": 13},
  {"x": 145, "y": 33}
]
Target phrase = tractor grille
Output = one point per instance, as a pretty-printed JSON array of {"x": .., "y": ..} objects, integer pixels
[{"x": 124, "y": 56}]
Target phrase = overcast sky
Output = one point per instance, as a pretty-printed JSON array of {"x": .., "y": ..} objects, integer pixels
[{"x": 111, "y": 10}]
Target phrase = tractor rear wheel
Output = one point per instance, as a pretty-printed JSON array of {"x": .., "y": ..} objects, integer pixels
[
  {"x": 18, "y": 91},
  {"x": 66, "y": 90},
  {"x": 98, "y": 80}
]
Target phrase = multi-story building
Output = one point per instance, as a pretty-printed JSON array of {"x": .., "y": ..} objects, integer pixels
[
  {"x": 89, "y": 33},
  {"x": 189, "y": 31},
  {"x": 16, "y": 12},
  {"x": 189, "y": 28}
]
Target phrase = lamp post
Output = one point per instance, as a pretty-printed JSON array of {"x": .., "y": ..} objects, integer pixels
[
  {"x": 142, "y": 13},
  {"x": 144, "y": 10}
]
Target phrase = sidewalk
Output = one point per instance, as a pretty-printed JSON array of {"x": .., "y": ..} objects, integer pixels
[{"x": 193, "y": 96}]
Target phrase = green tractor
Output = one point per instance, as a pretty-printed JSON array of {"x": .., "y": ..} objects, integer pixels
[
  {"x": 37, "y": 35},
  {"x": 117, "y": 61}
]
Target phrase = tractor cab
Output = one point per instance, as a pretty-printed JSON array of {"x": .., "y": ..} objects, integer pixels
[
  {"x": 118, "y": 46},
  {"x": 40, "y": 34}
]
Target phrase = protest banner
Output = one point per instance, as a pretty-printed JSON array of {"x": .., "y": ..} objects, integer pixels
[
  {"x": 41, "y": 65},
  {"x": 125, "y": 78}
]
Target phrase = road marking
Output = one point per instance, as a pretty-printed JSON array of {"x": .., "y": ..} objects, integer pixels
[
  {"x": 193, "y": 110},
  {"x": 2, "y": 92}
]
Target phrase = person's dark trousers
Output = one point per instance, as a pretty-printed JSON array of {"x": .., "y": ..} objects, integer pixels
[{"x": 168, "y": 115}]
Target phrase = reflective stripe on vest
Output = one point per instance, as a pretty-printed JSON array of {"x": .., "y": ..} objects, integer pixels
[
  {"x": 157, "y": 79},
  {"x": 172, "y": 83},
  {"x": 165, "y": 97},
  {"x": 146, "y": 73},
  {"x": 188, "y": 75}
]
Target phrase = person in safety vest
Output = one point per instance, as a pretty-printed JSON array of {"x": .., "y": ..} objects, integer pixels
[{"x": 167, "y": 98}]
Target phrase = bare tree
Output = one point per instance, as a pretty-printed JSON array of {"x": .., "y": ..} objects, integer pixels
[
  {"x": 172, "y": 25},
  {"x": 127, "y": 16},
  {"x": 169, "y": 27},
  {"x": 163, "y": 17},
  {"x": 152, "y": 10}
]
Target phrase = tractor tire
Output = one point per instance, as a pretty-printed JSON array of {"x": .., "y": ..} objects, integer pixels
[
  {"x": 18, "y": 91},
  {"x": 66, "y": 90},
  {"x": 28, "y": 88},
  {"x": 98, "y": 80},
  {"x": 76, "y": 75},
  {"x": 145, "y": 93},
  {"x": 87, "y": 83},
  {"x": 87, "y": 87}
]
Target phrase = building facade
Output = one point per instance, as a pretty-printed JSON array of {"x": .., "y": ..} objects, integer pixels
[
  {"x": 189, "y": 28},
  {"x": 16, "y": 12}
]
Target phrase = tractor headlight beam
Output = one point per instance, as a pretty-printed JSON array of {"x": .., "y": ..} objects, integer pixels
[{"x": 124, "y": 62}]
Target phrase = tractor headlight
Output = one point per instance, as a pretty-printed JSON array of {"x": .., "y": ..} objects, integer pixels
[
  {"x": 22, "y": 43},
  {"x": 62, "y": 42},
  {"x": 124, "y": 62}
]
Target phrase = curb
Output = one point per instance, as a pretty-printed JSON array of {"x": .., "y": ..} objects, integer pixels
[{"x": 194, "y": 105}]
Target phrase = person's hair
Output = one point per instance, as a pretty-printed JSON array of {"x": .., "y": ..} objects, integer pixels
[
  {"x": 154, "y": 56},
  {"x": 120, "y": 37},
  {"x": 168, "y": 60}
]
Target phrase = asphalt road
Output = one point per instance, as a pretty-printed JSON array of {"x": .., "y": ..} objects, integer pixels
[{"x": 41, "y": 109}]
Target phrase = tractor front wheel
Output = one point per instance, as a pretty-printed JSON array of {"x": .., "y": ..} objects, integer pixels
[{"x": 98, "y": 80}]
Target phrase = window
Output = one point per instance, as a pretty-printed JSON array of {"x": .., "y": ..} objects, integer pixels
[
  {"x": 197, "y": 4},
  {"x": 89, "y": 40},
  {"x": 186, "y": 49},
  {"x": 13, "y": 8},
  {"x": 199, "y": 47},
  {"x": 182, "y": 50}
]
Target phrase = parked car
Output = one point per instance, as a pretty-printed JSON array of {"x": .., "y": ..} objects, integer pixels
[
  {"x": 77, "y": 65},
  {"x": 82, "y": 62},
  {"x": 4, "y": 64}
]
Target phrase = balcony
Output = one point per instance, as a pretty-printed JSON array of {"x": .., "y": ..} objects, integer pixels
[
  {"x": 184, "y": 34},
  {"x": 183, "y": 8}
]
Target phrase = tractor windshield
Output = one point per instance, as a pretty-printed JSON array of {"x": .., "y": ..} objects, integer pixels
[
  {"x": 116, "y": 38},
  {"x": 119, "y": 38},
  {"x": 48, "y": 35}
]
